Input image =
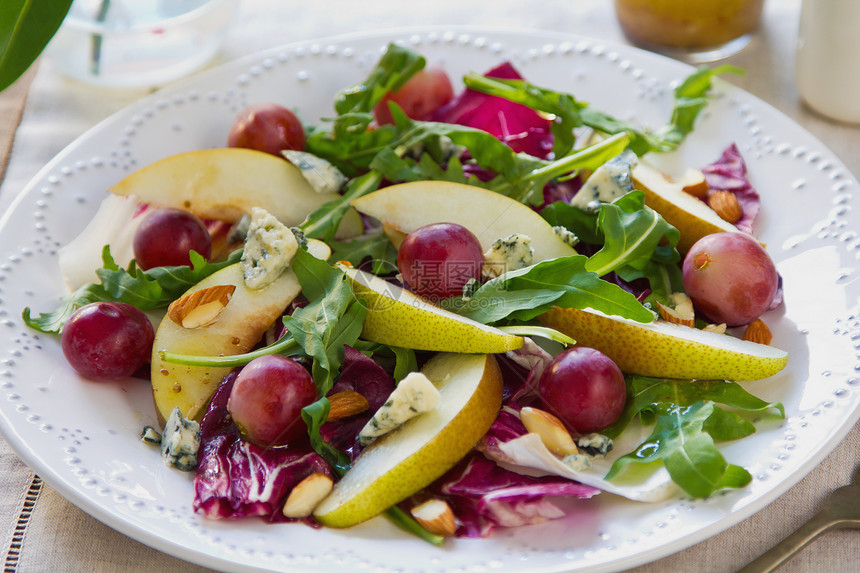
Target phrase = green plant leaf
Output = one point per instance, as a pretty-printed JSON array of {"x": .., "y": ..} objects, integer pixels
[
  {"x": 647, "y": 395},
  {"x": 333, "y": 318},
  {"x": 631, "y": 235},
  {"x": 153, "y": 288},
  {"x": 687, "y": 451},
  {"x": 525, "y": 293},
  {"x": 314, "y": 416},
  {"x": 374, "y": 247},
  {"x": 26, "y": 27}
]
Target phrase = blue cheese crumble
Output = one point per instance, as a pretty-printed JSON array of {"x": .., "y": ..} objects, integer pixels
[
  {"x": 510, "y": 254},
  {"x": 180, "y": 441},
  {"x": 566, "y": 235},
  {"x": 414, "y": 395},
  {"x": 322, "y": 176},
  {"x": 269, "y": 248},
  {"x": 594, "y": 444},
  {"x": 610, "y": 181}
]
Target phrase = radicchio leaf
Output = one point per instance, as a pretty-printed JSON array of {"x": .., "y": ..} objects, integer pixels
[
  {"x": 520, "y": 127},
  {"x": 485, "y": 496},
  {"x": 235, "y": 478},
  {"x": 729, "y": 173},
  {"x": 361, "y": 374}
]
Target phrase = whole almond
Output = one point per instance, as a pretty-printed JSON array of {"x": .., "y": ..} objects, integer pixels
[
  {"x": 345, "y": 404},
  {"x": 200, "y": 308},
  {"x": 435, "y": 516},
  {"x": 726, "y": 205},
  {"x": 693, "y": 183},
  {"x": 308, "y": 494},
  {"x": 757, "y": 331},
  {"x": 552, "y": 432}
]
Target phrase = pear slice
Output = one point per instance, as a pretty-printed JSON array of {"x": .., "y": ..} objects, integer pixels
[
  {"x": 408, "y": 459},
  {"x": 489, "y": 215},
  {"x": 692, "y": 217},
  {"x": 238, "y": 328},
  {"x": 667, "y": 350},
  {"x": 398, "y": 317},
  {"x": 225, "y": 183}
]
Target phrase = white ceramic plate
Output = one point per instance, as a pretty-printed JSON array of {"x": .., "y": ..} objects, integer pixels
[{"x": 82, "y": 437}]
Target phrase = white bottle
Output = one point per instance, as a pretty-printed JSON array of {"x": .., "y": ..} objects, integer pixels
[{"x": 828, "y": 58}]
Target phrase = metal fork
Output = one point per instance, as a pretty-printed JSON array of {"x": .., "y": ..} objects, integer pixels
[{"x": 841, "y": 509}]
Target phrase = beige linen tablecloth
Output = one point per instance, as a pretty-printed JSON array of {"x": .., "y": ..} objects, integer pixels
[{"x": 41, "y": 531}]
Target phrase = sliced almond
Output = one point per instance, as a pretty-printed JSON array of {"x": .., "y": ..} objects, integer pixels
[
  {"x": 345, "y": 404},
  {"x": 726, "y": 205},
  {"x": 552, "y": 432},
  {"x": 307, "y": 495},
  {"x": 435, "y": 516},
  {"x": 757, "y": 331},
  {"x": 693, "y": 183},
  {"x": 200, "y": 308},
  {"x": 718, "y": 328},
  {"x": 681, "y": 312}
]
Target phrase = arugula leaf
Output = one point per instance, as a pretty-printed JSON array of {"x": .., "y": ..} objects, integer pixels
[
  {"x": 687, "y": 421},
  {"x": 351, "y": 145},
  {"x": 324, "y": 221},
  {"x": 315, "y": 416},
  {"x": 646, "y": 395},
  {"x": 525, "y": 293},
  {"x": 52, "y": 322},
  {"x": 373, "y": 246},
  {"x": 663, "y": 278},
  {"x": 632, "y": 233},
  {"x": 580, "y": 222},
  {"x": 687, "y": 451},
  {"x": 690, "y": 100},
  {"x": 393, "y": 69},
  {"x": 153, "y": 288},
  {"x": 332, "y": 319},
  {"x": 404, "y": 169}
]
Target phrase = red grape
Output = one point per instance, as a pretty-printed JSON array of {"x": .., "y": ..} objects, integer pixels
[
  {"x": 584, "y": 388},
  {"x": 419, "y": 97},
  {"x": 166, "y": 236},
  {"x": 267, "y": 127},
  {"x": 267, "y": 399},
  {"x": 730, "y": 278},
  {"x": 437, "y": 260},
  {"x": 107, "y": 340}
]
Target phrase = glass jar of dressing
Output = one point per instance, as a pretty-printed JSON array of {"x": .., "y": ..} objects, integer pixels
[{"x": 690, "y": 30}]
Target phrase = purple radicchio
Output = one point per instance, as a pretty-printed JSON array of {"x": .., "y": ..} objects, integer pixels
[
  {"x": 484, "y": 496},
  {"x": 729, "y": 173},
  {"x": 235, "y": 478},
  {"x": 361, "y": 374},
  {"x": 518, "y": 126}
]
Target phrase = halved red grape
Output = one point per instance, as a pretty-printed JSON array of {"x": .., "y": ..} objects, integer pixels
[
  {"x": 730, "y": 278},
  {"x": 584, "y": 388},
  {"x": 426, "y": 91},
  {"x": 107, "y": 340},
  {"x": 437, "y": 260},
  {"x": 166, "y": 236},
  {"x": 267, "y": 127},
  {"x": 267, "y": 399}
]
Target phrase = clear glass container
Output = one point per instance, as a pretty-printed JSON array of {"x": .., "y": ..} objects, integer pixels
[
  {"x": 139, "y": 43},
  {"x": 690, "y": 30}
]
